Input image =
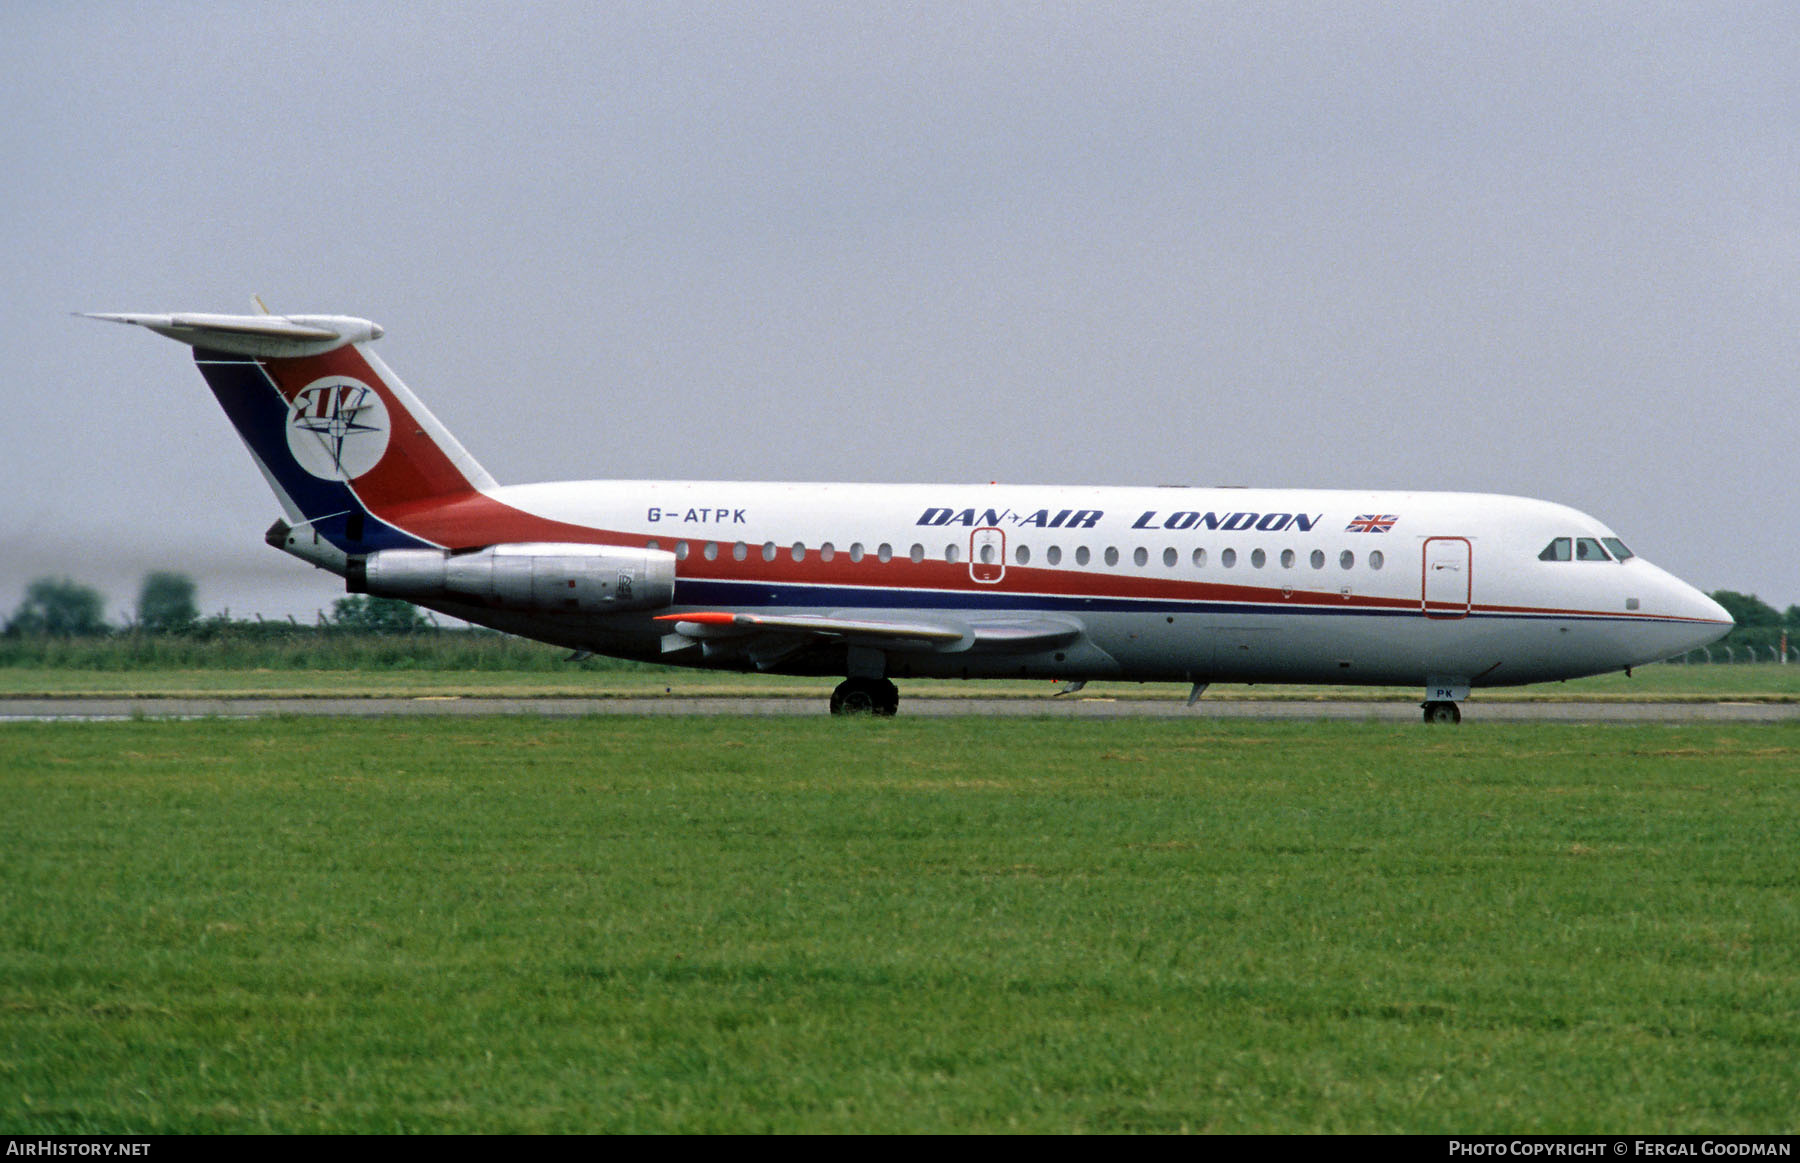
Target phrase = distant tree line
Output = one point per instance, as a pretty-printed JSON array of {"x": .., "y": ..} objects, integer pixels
[
  {"x": 60, "y": 607},
  {"x": 1758, "y": 624},
  {"x": 61, "y": 625}
]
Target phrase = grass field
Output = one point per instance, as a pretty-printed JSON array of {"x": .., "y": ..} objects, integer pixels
[
  {"x": 1763, "y": 682},
  {"x": 911, "y": 925}
]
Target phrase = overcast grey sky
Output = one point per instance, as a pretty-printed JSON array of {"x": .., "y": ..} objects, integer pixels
[{"x": 1538, "y": 249}]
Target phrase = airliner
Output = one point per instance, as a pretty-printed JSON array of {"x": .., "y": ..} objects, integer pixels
[{"x": 1442, "y": 591}]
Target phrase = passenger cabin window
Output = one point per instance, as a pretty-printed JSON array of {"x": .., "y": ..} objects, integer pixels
[
  {"x": 1053, "y": 555},
  {"x": 1557, "y": 550}
]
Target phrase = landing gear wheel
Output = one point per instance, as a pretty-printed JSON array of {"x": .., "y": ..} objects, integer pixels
[
  {"x": 865, "y": 696},
  {"x": 1442, "y": 713}
]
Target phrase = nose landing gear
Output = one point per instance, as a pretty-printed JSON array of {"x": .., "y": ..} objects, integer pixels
[
  {"x": 1442, "y": 712},
  {"x": 1443, "y": 693}
]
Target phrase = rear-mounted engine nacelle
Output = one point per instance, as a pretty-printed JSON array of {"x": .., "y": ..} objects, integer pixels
[{"x": 539, "y": 577}]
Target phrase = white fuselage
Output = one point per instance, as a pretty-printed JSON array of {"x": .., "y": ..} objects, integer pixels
[{"x": 1189, "y": 584}]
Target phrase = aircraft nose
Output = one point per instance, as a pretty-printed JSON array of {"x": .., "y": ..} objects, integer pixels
[
  {"x": 1712, "y": 611},
  {"x": 1683, "y": 601},
  {"x": 1709, "y": 620}
]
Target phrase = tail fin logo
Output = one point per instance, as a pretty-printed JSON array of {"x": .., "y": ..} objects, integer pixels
[{"x": 337, "y": 428}]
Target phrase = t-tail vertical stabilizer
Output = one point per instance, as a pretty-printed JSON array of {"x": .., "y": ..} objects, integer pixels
[{"x": 347, "y": 448}]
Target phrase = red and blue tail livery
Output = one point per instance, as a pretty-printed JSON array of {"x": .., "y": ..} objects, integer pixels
[{"x": 1444, "y": 591}]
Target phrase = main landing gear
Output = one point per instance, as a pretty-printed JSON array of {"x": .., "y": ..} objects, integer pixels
[
  {"x": 865, "y": 696},
  {"x": 1442, "y": 712}
]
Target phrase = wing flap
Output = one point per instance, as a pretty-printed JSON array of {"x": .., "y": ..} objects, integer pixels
[
  {"x": 709, "y": 623},
  {"x": 1015, "y": 633},
  {"x": 978, "y": 634}
]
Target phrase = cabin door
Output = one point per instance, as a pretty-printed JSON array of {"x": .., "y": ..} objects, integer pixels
[
  {"x": 987, "y": 555},
  {"x": 1447, "y": 584}
]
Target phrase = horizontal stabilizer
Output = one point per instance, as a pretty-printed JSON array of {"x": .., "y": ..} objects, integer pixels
[{"x": 275, "y": 336}]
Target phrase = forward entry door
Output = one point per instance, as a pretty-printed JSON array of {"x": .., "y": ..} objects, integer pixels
[{"x": 1447, "y": 584}]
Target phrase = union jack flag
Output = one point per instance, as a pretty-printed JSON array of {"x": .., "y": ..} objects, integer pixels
[{"x": 1371, "y": 523}]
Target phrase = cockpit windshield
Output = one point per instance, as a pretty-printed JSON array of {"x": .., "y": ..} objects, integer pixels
[{"x": 1585, "y": 549}]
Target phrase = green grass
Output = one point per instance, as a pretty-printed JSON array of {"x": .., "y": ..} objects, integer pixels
[
  {"x": 911, "y": 925},
  {"x": 279, "y": 646},
  {"x": 276, "y": 659},
  {"x": 1763, "y": 682}
]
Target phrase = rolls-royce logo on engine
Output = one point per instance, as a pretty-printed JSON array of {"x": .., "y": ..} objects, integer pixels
[{"x": 337, "y": 428}]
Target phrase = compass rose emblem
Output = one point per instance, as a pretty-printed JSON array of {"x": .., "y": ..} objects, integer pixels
[{"x": 337, "y": 428}]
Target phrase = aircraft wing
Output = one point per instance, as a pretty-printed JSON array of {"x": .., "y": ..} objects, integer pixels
[
  {"x": 767, "y": 638},
  {"x": 705, "y": 624}
]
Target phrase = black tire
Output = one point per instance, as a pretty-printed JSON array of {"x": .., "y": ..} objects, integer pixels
[
  {"x": 1448, "y": 713},
  {"x": 865, "y": 696}
]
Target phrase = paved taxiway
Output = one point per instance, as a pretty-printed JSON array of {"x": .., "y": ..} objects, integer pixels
[{"x": 1474, "y": 711}]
